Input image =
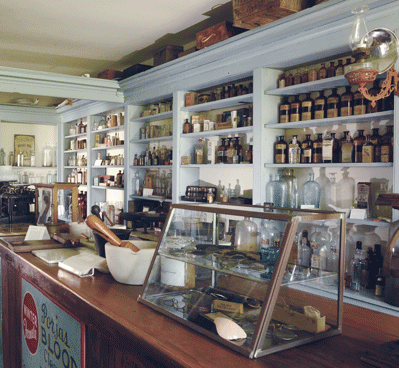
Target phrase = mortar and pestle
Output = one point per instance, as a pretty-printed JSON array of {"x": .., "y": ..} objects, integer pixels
[{"x": 102, "y": 234}]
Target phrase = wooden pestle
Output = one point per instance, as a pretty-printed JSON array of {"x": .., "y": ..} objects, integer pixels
[{"x": 95, "y": 223}]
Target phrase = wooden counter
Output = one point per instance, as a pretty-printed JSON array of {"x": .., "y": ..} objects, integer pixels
[{"x": 120, "y": 332}]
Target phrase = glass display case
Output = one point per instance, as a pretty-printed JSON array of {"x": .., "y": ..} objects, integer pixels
[
  {"x": 62, "y": 198},
  {"x": 257, "y": 280}
]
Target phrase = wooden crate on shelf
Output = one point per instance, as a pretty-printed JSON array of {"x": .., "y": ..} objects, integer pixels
[
  {"x": 254, "y": 13},
  {"x": 219, "y": 32}
]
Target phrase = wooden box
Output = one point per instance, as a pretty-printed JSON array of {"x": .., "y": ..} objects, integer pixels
[
  {"x": 166, "y": 53},
  {"x": 110, "y": 74},
  {"x": 254, "y": 13},
  {"x": 219, "y": 32},
  {"x": 187, "y": 52},
  {"x": 291, "y": 317},
  {"x": 135, "y": 69}
]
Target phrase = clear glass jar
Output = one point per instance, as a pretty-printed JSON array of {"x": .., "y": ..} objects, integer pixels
[
  {"x": 137, "y": 184},
  {"x": 311, "y": 192},
  {"x": 276, "y": 192},
  {"x": 288, "y": 176},
  {"x": 2, "y": 157},
  {"x": 246, "y": 235},
  {"x": 47, "y": 156}
]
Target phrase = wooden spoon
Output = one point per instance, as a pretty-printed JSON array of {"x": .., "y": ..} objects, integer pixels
[{"x": 94, "y": 223}]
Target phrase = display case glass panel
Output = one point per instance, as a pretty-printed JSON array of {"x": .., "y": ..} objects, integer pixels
[{"x": 256, "y": 281}]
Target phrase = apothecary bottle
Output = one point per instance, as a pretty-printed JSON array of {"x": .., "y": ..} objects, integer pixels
[
  {"x": 294, "y": 151},
  {"x": 304, "y": 75},
  {"x": 222, "y": 152},
  {"x": 246, "y": 235},
  {"x": 358, "y": 146},
  {"x": 318, "y": 149},
  {"x": 47, "y": 156},
  {"x": 137, "y": 184},
  {"x": 298, "y": 77},
  {"x": 304, "y": 253},
  {"x": 280, "y": 151},
  {"x": 295, "y": 109},
  {"x": 311, "y": 192},
  {"x": 368, "y": 150},
  {"x": 373, "y": 92},
  {"x": 186, "y": 126},
  {"x": 288, "y": 176},
  {"x": 277, "y": 192},
  {"x": 312, "y": 74},
  {"x": 359, "y": 104},
  {"x": 2, "y": 157},
  {"x": 339, "y": 70},
  {"x": 347, "y": 102},
  {"x": 387, "y": 145},
  {"x": 322, "y": 72},
  {"x": 11, "y": 159},
  {"x": 199, "y": 152},
  {"x": 376, "y": 140},
  {"x": 307, "y": 149},
  {"x": 307, "y": 108},
  {"x": 281, "y": 80},
  {"x": 289, "y": 79},
  {"x": 347, "y": 150},
  {"x": 284, "y": 111},
  {"x": 320, "y": 106},
  {"x": 327, "y": 150},
  {"x": 333, "y": 103},
  {"x": 331, "y": 70}
]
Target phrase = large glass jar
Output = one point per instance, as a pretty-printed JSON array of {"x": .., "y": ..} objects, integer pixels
[
  {"x": 47, "y": 156},
  {"x": 311, "y": 192},
  {"x": 276, "y": 192},
  {"x": 246, "y": 235},
  {"x": 137, "y": 184},
  {"x": 288, "y": 176}
]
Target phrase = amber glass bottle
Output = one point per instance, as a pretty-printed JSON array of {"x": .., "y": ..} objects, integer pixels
[
  {"x": 295, "y": 109},
  {"x": 376, "y": 140},
  {"x": 289, "y": 79},
  {"x": 307, "y": 149},
  {"x": 331, "y": 70},
  {"x": 322, "y": 72},
  {"x": 373, "y": 92},
  {"x": 298, "y": 76},
  {"x": 312, "y": 74},
  {"x": 318, "y": 149},
  {"x": 320, "y": 106},
  {"x": 186, "y": 126},
  {"x": 304, "y": 75},
  {"x": 386, "y": 145},
  {"x": 281, "y": 80},
  {"x": 358, "y": 146},
  {"x": 284, "y": 111},
  {"x": 368, "y": 150},
  {"x": 339, "y": 70},
  {"x": 307, "y": 108},
  {"x": 341, "y": 142},
  {"x": 359, "y": 104},
  {"x": 280, "y": 151},
  {"x": 347, "y": 102},
  {"x": 222, "y": 152},
  {"x": 333, "y": 102},
  {"x": 335, "y": 148}
]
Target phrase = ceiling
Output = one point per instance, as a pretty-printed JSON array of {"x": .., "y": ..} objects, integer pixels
[{"x": 78, "y": 37}]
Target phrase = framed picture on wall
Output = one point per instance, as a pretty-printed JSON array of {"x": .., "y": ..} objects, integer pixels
[{"x": 24, "y": 144}]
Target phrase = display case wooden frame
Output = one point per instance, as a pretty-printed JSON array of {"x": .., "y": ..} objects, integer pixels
[
  {"x": 52, "y": 190},
  {"x": 236, "y": 284}
]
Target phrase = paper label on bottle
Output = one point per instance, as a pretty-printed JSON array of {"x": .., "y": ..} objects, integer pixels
[
  {"x": 284, "y": 118},
  {"x": 319, "y": 114},
  {"x": 368, "y": 154},
  {"x": 280, "y": 159},
  {"x": 332, "y": 113},
  {"x": 359, "y": 110},
  {"x": 307, "y": 115},
  {"x": 327, "y": 150},
  {"x": 172, "y": 272},
  {"x": 346, "y": 111}
]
